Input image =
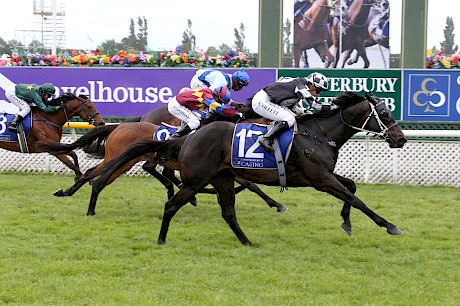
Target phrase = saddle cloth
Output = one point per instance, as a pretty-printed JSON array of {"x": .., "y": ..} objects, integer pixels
[
  {"x": 7, "y": 135},
  {"x": 246, "y": 151}
]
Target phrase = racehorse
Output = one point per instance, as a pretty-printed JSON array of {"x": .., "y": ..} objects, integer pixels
[
  {"x": 47, "y": 127},
  {"x": 312, "y": 32},
  {"x": 118, "y": 139},
  {"x": 205, "y": 158},
  {"x": 357, "y": 21}
]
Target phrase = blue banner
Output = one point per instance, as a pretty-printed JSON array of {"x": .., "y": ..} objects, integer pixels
[{"x": 431, "y": 96}]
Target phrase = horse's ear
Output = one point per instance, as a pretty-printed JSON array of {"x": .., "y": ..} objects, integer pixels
[{"x": 70, "y": 96}]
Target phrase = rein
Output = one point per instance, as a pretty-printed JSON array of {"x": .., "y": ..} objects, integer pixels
[{"x": 372, "y": 115}]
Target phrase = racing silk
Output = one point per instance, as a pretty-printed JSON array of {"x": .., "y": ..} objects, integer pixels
[
  {"x": 202, "y": 99},
  {"x": 281, "y": 91},
  {"x": 32, "y": 93},
  {"x": 214, "y": 78}
]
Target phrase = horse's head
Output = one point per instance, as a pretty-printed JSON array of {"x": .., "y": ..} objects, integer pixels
[
  {"x": 370, "y": 115},
  {"x": 383, "y": 123},
  {"x": 83, "y": 107}
]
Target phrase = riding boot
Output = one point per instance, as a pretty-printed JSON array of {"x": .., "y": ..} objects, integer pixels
[
  {"x": 183, "y": 130},
  {"x": 13, "y": 127},
  {"x": 266, "y": 141}
]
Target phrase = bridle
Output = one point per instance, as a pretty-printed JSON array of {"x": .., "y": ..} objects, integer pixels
[
  {"x": 373, "y": 115},
  {"x": 89, "y": 117}
]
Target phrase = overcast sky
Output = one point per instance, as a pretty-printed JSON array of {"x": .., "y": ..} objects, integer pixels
[{"x": 89, "y": 23}]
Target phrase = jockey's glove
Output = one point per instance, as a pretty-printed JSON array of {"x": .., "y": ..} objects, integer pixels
[
  {"x": 240, "y": 116},
  {"x": 323, "y": 107}
]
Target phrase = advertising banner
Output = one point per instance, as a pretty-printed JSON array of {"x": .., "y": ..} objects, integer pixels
[
  {"x": 385, "y": 84},
  {"x": 431, "y": 95},
  {"x": 126, "y": 91}
]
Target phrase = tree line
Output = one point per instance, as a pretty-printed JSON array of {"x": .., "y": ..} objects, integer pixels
[{"x": 137, "y": 40}]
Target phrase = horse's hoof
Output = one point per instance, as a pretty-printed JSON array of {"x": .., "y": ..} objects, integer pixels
[
  {"x": 90, "y": 214},
  {"x": 59, "y": 193},
  {"x": 346, "y": 228},
  {"x": 161, "y": 241},
  {"x": 281, "y": 208},
  {"x": 193, "y": 202},
  {"x": 394, "y": 230}
]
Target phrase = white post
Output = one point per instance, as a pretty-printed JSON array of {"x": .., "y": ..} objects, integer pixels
[
  {"x": 395, "y": 166},
  {"x": 53, "y": 51},
  {"x": 368, "y": 160}
]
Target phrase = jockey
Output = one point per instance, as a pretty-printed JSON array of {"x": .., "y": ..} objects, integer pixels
[
  {"x": 212, "y": 79},
  {"x": 183, "y": 105},
  {"x": 287, "y": 98},
  {"x": 22, "y": 95}
]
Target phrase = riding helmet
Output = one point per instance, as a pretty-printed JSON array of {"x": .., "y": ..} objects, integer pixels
[
  {"x": 221, "y": 94},
  {"x": 318, "y": 80},
  {"x": 242, "y": 77},
  {"x": 48, "y": 89}
]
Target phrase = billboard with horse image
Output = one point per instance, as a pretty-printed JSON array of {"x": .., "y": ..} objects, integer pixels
[{"x": 341, "y": 34}]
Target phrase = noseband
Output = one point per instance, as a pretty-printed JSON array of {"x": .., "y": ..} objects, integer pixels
[
  {"x": 82, "y": 101},
  {"x": 373, "y": 115}
]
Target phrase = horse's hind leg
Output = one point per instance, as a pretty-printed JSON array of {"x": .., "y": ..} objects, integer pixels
[
  {"x": 224, "y": 185},
  {"x": 345, "y": 213},
  {"x": 254, "y": 188},
  {"x": 151, "y": 169}
]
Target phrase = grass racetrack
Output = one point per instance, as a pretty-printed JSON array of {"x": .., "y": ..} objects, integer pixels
[{"x": 51, "y": 253}]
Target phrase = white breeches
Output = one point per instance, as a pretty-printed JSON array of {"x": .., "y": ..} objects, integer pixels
[
  {"x": 261, "y": 105},
  {"x": 183, "y": 113},
  {"x": 24, "y": 108},
  {"x": 195, "y": 83}
]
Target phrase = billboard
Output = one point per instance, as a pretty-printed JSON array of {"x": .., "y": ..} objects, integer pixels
[
  {"x": 126, "y": 91},
  {"x": 341, "y": 34},
  {"x": 385, "y": 84},
  {"x": 431, "y": 95}
]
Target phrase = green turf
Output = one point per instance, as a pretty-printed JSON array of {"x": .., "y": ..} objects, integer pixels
[{"x": 51, "y": 253}]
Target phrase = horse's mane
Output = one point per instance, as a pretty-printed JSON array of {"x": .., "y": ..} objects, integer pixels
[{"x": 348, "y": 98}]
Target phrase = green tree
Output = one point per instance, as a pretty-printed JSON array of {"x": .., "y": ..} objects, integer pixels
[
  {"x": 5, "y": 48},
  {"x": 240, "y": 37},
  {"x": 449, "y": 37},
  {"x": 142, "y": 35},
  {"x": 287, "y": 36},
  {"x": 16, "y": 45},
  {"x": 130, "y": 42},
  {"x": 188, "y": 38},
  {"x": 110, "y": 47},
  {"x": 35, "y": 46}
]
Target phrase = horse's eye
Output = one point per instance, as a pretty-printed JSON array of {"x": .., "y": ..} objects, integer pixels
[{"x": 90, "y": 107}]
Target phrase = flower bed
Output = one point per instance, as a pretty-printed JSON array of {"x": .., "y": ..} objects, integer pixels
[
  {"x": 441, "y": 61},
  {"x": 172, "y": 58}
]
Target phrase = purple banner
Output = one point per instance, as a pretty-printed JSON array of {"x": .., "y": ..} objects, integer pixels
[{"x": 124, "y": 91}]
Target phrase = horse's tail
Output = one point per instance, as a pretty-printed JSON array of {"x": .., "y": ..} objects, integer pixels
[
  {"x": 98, "y": 133},
  {"x": 137, "y": 150}
]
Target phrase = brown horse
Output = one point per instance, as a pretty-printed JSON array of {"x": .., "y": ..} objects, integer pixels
[
  {"x": 356, "y": 24},
  {"x": 312, "y": 31},
  {"x": 205, "y": 158},
  {"x": 47, "y": 127},
  {"x": 118, "y": 139}
]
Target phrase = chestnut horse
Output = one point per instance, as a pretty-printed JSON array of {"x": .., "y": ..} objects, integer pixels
[
  {"x": 47, "y": 127},
  {"x": 312, "y": 32},
  {"x": 205, "y": 158}
]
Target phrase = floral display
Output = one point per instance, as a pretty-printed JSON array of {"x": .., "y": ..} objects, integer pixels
[
  {"x": 441, "y": 61},
  {"x": 172, "y": 58}
]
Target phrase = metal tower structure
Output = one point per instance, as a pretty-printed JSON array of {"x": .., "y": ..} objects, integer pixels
[{"x": 52, "y": 29}]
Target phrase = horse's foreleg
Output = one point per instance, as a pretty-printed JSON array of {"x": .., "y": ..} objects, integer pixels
[
  {"x": 254, "y": 188},
  {"x": 184, "y": 195},
  {"x": 346, "y": 57},
  {"x": 66, "y": 161},
  {"x": 345, "y": 213},
  {"x": 335, "y": 188},
  {"x": 224, "y": 184}
]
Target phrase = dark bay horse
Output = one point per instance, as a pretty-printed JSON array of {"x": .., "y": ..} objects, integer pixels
[
  {"x": 205, "y": 158},
  {"x": 312, "y": 32},
  {"x": 118, "y": 138},
  {"x": 357, "y": 21},
  {"x": 47, "y": 127}
]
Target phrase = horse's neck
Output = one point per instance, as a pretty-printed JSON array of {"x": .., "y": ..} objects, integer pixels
[
  {"x": 57, "y": 117},
  {"x": 319, "y": 11},
  {"x": 359, "y": 11}
]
